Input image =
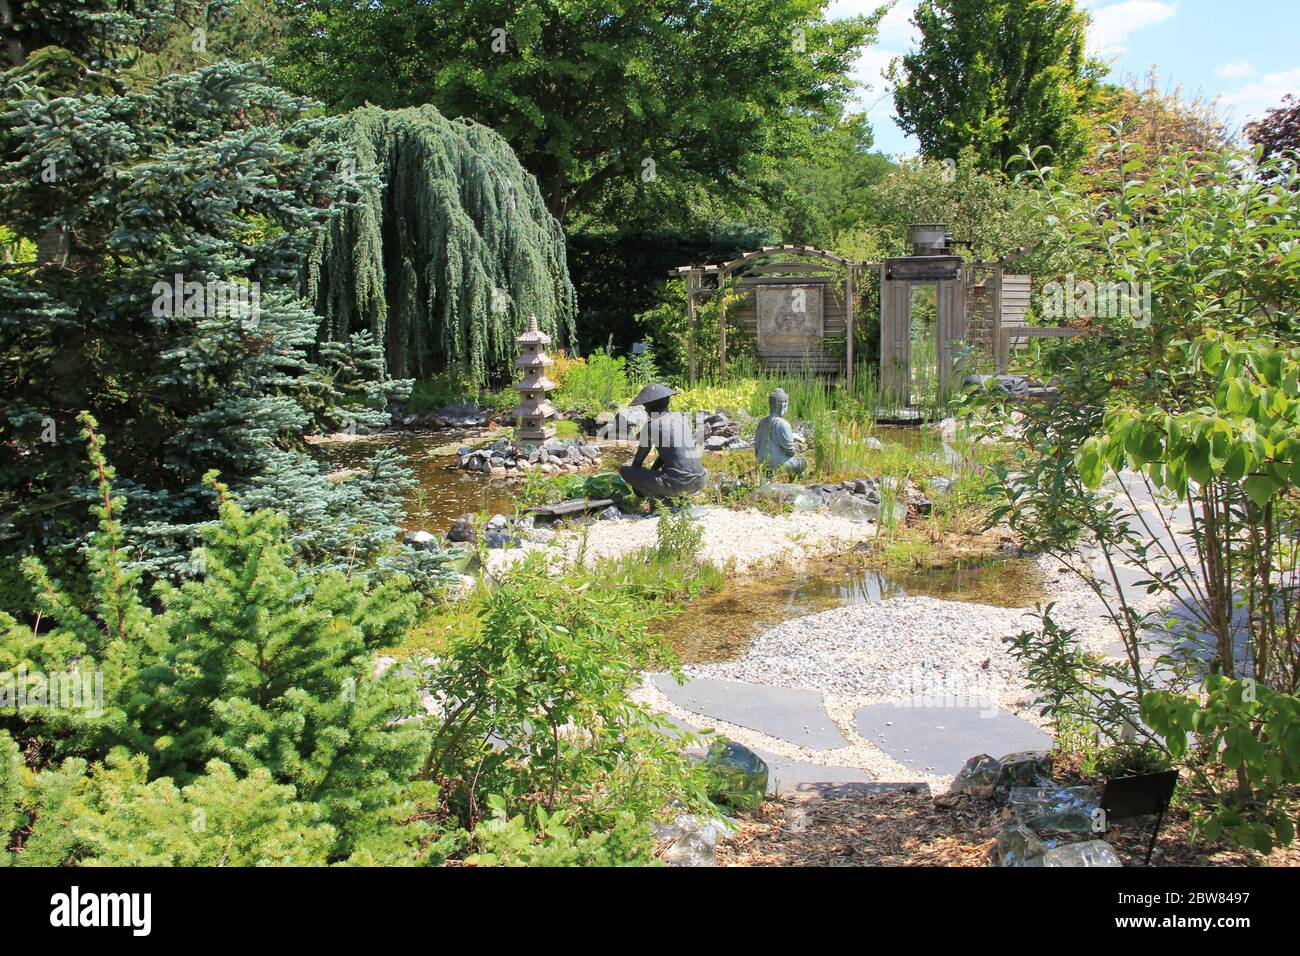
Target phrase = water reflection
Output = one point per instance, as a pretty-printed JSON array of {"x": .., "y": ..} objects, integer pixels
[
  {"x": 443, "y": 492},
  {"x": 720, "y": 626}
]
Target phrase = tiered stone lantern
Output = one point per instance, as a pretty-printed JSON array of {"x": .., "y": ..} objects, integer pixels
[{"x": 534, "y": 411}]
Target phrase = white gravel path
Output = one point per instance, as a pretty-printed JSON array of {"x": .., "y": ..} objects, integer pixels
[
  {"x": 744, "y": 540},
  {"x": 892, "y": 650},
  {"x": 907, "y": 649}
]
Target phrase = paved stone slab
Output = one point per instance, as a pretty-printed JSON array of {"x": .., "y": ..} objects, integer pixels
[
  {"x": 793, "y": 715},
  {"x": 788, "y": 777},
  {"x": 943, "y": 738}
]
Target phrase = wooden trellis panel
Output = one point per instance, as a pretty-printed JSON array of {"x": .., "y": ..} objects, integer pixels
[
  {"x": 837, "y": 317},
  {"x": 1013, "y": 304}
]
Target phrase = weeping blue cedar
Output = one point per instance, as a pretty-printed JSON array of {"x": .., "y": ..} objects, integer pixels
[{"x": 444, "y": 263}]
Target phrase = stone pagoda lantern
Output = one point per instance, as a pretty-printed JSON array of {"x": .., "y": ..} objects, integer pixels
[{"x": 534, "y": 410}]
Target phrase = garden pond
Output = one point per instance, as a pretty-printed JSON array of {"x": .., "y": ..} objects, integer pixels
[{"x": 720, "y": 625}]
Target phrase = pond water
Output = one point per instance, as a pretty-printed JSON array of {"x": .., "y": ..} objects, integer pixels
[
  {"x": 443, "y": 492},
  {"x": 720, "y": 626}
]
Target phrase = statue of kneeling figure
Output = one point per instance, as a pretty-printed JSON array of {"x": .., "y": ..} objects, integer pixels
[
  {"x": 774, "y": 439},
  {"x": 677, "y": 469}
]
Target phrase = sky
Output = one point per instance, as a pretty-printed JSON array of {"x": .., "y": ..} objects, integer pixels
[{"x": 1242, "y": 53}]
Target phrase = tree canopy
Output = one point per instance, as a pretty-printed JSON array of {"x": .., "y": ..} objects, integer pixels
[
  {"x": 162, "y": 227},
  {"x": 592, "y": 94},
  {"x": 1277, "y": 133},
  {"x": 997, "y": 75}
]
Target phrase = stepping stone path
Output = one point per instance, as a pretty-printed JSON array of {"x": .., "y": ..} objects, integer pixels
[
  {"x": 789, "y": 714},
  {"x": 796, "y": 716},
  {"x": 938, "y": 740}
]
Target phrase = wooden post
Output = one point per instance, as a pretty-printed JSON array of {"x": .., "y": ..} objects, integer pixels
[
  {"x": 692, "y": 284},
  {"x": 848, "y": 321},
  {"x": 722, "y": 329}
]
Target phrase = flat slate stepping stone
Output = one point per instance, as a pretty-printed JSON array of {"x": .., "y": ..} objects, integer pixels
[
  {"x": 786, "y": 776},
  {"x": 943, "y": 738},
  {"x": 790, "y": 714},
  {"x": 571, "y": 506}
]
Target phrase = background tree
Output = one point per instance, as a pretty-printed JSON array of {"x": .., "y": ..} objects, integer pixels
[
  {"x": 591, "y": 93},
  {"x": 444, "y": 261},
  {"x": 826, "y": 191},
  {"x": 117, "y": 184},
  {"x": 997, "y": 75},
  {"x": 1149, "y": 122},
  {"x": 1278, "y": 132}
]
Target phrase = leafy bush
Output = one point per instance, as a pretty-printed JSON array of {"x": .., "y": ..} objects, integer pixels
[
  {"x": 1255, "y": 733},
  {"x": 244, "y": 720},
  {"x": 542, "y": 489},
  {"x": 537, "y": 710},
  {"x": 1127, "y": 760},
  {"x": 254, "y": 668},
  {"x": 114, "y": 815},
  {"x": 593, "y": 386},
  {"x": 679, "y": 536},
  {"x": 1189, "y": 416},
  {"x": 641, "y": 366}
]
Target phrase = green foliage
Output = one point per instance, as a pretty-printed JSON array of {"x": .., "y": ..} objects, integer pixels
[
  {"x": 669, "y": 323},
  {"x": 997, "y": 76},
  {"x": 551, "y": 839},
  {"x": 1193, "y": 413},
  {"x": 826, "y": 192},
  {"x": 448, "y": 251},
  {"x": 273, "y": 673},
  {"x": 254, "y": 664},
  {"x": 679, "y": 537},
  {"x": 1127, "y": 760},
  {"x": 592, "y": 386},
  {"x": 708, "y": 94},
  {"x": 981, "y": 206},
  {"x": 1151, "y": 122},
  {"x": 542, "y": 489},
  {"x": 620, "y": 272},
  {"x": 440, "y": 390},
  {"x": 1244, "y": 431},
  {"x": 642, "y": 369},
  {"x": 1255, "y": 733},
  {"x": 121, "y": 183},
  {"x": 548, "y": 678},
  {"x": 116, "y": 816}
]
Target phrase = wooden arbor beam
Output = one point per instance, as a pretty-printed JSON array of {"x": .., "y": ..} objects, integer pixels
[{"x": 721, "y": 271}]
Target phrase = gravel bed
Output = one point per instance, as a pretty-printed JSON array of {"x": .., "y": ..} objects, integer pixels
[
  {"x": 892, "y": 650},
  {"x": 743, "y": 540}
]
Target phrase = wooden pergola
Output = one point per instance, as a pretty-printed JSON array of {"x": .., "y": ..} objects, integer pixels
[{"x": 697, "y": 288}]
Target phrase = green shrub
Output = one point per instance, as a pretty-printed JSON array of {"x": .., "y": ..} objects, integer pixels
[
  {"x": 594, "y": 385},
  {"x": 255, "y": 664},
  {"x": 549, "y": 678}
]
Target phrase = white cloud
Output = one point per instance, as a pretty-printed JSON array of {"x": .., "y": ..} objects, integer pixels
[
  {"x": 896, "y": 35},
  {"x": 1250, "y": 101},
  {"x": 1235, "y": 71},
  {"x": 1112, "y": 24}
]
